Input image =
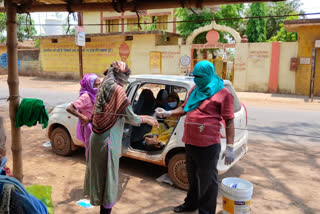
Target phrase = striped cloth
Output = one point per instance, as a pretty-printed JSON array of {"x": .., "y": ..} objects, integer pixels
[
  {"x": 111, "y": 98},
  {"x": 102, "y": 121}
]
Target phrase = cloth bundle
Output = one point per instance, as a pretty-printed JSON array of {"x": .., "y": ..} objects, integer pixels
[{"x": 30, "y": 112}]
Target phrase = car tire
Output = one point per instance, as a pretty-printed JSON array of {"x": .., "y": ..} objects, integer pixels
[
  {"x": 61, "y": 141},
  {"x": 178, "y": 172}
]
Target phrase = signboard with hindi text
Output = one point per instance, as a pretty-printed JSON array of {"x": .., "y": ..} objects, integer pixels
[
  {"x": 97, "y": 55},
  {"x": 80, "y": 36}
]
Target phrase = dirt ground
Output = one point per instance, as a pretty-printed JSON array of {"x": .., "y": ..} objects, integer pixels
[{"x": 286, "y": 176}]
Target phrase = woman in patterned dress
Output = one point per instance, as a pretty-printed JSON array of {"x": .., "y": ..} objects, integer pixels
[{"x": 112, "y": 109}]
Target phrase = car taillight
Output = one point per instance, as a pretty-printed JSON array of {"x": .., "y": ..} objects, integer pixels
[
  {"x": 223, "y": 129},
  {"x": 245, "y": 109}
]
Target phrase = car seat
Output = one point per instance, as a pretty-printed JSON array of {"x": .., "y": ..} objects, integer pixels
[{"x": 144, "y": 106}]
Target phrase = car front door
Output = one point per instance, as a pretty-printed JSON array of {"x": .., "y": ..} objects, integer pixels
[{"x": 132, "y": 88}]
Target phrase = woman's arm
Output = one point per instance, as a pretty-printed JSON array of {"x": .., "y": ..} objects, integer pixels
[
  {"x": 72, "y": 110},
  {"x": 230, "y": 131},
  {"x": 178, "y": 112},
  {"x": 136, "y": 120},
  {"x": 149, "y": 120}
]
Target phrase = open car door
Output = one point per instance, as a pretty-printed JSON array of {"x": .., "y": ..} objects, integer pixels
[{"x": 126, "y": 138}]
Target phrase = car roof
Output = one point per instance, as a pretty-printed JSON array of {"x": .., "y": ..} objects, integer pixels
[{"x": 170, "y": 78}]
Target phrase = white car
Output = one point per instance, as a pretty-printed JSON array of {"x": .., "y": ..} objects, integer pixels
[{"x": 62, "y": 127}]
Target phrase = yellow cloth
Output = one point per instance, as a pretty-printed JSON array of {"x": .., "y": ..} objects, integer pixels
[{"x": 163, "y": 131}]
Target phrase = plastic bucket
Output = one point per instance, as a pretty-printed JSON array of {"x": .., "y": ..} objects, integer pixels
[{"x": 236, "y": 195}]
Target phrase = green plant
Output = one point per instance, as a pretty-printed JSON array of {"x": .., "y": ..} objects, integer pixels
[
  {"x": 282, "y": 34},
  {"x": 186, "y": 28},
  {"x": 24, "y": 29},
  {"x": 230, "y": 11},
  {"x": 37, "y": 43},
  {"x": 280, "y": 8},
  {"x": 256, "y": 28}
]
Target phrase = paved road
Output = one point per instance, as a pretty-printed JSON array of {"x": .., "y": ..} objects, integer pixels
[
  {"x": 283, "y": 119},
  {"x": 50, "y": 97}
]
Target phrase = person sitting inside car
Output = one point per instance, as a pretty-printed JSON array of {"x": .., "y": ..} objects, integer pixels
[
  {"x": 161, "y": 100},
  {"x": 157, "y": 138}
]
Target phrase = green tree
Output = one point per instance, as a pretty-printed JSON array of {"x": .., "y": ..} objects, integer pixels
[
  {"x": 280, "y": 8},
  {"x": 224, "y": 11},
  {"x": 230, "y": 11},
  {"x": 256, "y": 27},
  {"x": 186, "y": 28},
  {"x": 282, "y": 34},
  {"x": 24, "y": 30}
]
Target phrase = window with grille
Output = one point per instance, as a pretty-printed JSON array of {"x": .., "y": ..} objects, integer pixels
[
  {"x": 112, "y": 25},
  {"x": 132, "y": 24},
  {"x": 161, "y": 26}
]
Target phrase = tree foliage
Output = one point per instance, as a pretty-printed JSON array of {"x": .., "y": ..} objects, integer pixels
[
  {"x": 186, "y": 28},
  {"x": 24, "y": 30},
  {"x": 282, "y": 34},
  {"x": 230, "y": 11},
  {"x": 257, "y": 30},
  {"x": 256, "y": 27},
  {"x": 225, "y": 11},
  {"x": 280, "y": 8}
]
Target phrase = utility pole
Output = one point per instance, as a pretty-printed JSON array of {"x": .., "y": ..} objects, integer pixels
[
  {"x": 80, "y": 24},
  {"x": 313, "y": 72}
]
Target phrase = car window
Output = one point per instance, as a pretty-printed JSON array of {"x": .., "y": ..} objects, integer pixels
[
  {"x": 155, "y": 88},
  {"x": 144, "y": 90},
  {"x": 237, "y": 104},
  {"x": 182, "y": 92}
]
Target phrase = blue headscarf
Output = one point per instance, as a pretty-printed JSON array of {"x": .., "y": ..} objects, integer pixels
[{"x": 207, "y": 84}]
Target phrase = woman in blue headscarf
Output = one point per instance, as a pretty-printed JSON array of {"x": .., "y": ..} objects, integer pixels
[{"x": 208, "y": 103}]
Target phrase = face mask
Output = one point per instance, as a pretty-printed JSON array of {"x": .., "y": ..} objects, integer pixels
[
  {"x": 197, "y": 81},
  {"x": 172, "y": 104},
  {"x": 200, "y": 82}
]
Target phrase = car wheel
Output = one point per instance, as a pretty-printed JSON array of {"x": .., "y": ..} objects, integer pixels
[
  {"x": 178, "y": 172},
  {"x": 61, "y": 141}
]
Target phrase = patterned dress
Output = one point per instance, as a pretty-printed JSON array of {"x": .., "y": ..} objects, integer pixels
[{"x": 101, "y": 179}]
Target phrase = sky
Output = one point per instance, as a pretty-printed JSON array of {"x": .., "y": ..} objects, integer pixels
[
  {"x": 311, "y": 6},
  {"x": 308, "y": 6}
]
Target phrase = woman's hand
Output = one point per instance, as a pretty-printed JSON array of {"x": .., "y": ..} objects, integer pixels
[
  {"x": 162, "y": 113},
  {"x": 84, "y": 120},
  {"x": 150, "y": 121}
]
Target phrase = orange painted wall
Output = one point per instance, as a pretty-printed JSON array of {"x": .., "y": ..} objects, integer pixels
[
  {"x": 306, "y": 37},
  {"x": 274, "y": 68}
]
